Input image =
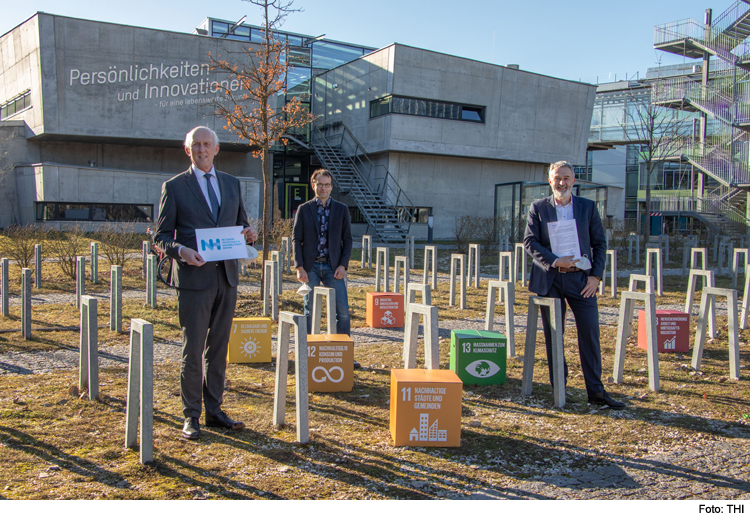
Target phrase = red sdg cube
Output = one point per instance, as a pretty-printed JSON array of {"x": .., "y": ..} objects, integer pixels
[{"x": 672, "y": 331}]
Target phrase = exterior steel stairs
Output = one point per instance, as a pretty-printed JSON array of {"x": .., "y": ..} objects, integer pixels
[{"x": 383, "y": 204}]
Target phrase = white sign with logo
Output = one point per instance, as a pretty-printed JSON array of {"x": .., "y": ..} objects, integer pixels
[{"x": 221, "y": 243}]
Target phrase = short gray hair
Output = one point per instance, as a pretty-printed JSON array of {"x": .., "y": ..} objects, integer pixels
[
  {"x": 189, "y": 137},
  {"x": 559, "y": 164}
]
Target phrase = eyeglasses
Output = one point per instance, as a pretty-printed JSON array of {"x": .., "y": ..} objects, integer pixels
[{"x": 324, "y": 185}]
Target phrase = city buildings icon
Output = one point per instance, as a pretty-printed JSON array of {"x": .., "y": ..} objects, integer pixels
[{"x": 427, "y": 432}]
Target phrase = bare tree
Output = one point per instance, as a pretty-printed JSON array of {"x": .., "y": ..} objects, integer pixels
[
  {"x": 657, "y": 128},
  {"x": 251, "y": 112}
]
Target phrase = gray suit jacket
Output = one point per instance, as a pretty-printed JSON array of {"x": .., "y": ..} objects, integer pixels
[
  {"x": 182, "y": 210},
  {"x": 307, "y": 232},
  {"x": 536, "y": 240}
]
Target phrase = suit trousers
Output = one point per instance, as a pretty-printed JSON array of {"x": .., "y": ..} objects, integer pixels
[
  {"x": 568, "y": 287},
  {"x": 206, "y": 321}
]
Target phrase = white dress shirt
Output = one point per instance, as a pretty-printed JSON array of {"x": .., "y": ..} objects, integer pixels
[{"x": 202, "y": 182}]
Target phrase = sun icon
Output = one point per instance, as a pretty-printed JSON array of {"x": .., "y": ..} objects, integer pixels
[{"x": 249, "y": 347}]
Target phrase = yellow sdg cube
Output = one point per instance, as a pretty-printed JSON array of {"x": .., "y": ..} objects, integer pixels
[
  {"x": 330, "y": 363},
  {"x": 250, "y": 340}
]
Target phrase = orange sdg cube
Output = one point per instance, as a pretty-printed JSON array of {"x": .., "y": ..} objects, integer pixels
[
  {"x": 385, "y": 310},
  {"x": 330, "y": 363},
  {"x": 250, "y": 340},
  {"x": 426, "y": 408}
]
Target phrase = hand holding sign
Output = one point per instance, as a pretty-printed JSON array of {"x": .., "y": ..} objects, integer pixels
[{"x": 221, "y": 243}]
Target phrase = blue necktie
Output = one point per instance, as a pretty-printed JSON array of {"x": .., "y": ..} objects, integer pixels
[{"x": 212, "y": 197}]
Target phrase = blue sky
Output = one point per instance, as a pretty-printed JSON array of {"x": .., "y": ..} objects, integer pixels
[{"x": 580, "y": 39}]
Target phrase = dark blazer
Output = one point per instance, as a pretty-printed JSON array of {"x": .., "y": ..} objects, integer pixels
[
  {"x": 536, "y": 240},
  {"x": 307, "y": 232},
  {"x": 182, "y": 210}
]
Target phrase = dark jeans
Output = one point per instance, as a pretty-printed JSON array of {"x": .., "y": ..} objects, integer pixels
[
  {"x": 322, "y": 273},
  {"x": 568, "y": 287}
]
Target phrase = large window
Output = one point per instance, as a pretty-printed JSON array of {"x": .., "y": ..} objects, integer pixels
[
  {"x": 15, "y": 105},
  {"x": 93, "y": 212},
  {"x": 394, "y": 104}
]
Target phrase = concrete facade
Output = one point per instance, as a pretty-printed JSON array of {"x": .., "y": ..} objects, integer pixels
[
  {"x": 110, "y": 107},
  {"x": 530, "y": 120}
]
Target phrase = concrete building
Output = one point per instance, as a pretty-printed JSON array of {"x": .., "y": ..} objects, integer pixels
[{"x": 93, "y": 116}]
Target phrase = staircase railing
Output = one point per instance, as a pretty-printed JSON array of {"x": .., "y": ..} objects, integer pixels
[{"x": 697, "y": 204}]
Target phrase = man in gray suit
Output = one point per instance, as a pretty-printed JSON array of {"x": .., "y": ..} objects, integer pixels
[
  {"x": 567, "y": 278},
  {"x": 322, "y": 239},
  {"x": 199, "y": 198}
]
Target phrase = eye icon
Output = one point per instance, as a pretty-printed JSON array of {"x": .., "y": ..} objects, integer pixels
[{"x": 482, "y": 368}]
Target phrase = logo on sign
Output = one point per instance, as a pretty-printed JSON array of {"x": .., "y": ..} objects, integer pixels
[
  {"x": 324, "y": 374},
  {"x": 249, "y": 347},
  {"x": 482, "y": 368},
  {"x": 211, "y": 244},
  {"x": 388, "y": 318},
  {"x": 670, "y": 344}
]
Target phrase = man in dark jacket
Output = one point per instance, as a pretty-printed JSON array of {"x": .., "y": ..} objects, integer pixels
[
  {"x": 323, "y": 246},
  {"x": 567, "y": 278}
]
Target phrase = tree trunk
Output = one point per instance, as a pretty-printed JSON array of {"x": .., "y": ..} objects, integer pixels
[{"x": 266, "y": 239}]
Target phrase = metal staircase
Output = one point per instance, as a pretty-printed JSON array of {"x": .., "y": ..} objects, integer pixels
[
  {"x": 384, "y": 205},
  {"x": 722, "y": 149}
]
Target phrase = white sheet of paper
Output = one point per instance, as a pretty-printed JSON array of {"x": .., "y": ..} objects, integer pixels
[
  {"x": 221, "y": 243},
  {"x": 563, "y": 237}
]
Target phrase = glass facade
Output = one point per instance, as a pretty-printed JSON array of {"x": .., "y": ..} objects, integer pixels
[
  {"x": 93, "y": 212},
  {"x": 15, "y": 105}
]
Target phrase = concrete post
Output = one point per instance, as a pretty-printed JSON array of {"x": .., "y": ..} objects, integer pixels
[
  {"x": 399, "y": 263},
  {"x": 726, "y": 249},
  {"x": 634, "y": 239},
  {"x": 686, "y": 252},
  {"x": 507, "y": 291},
  {"x": 708, "y": 282},
  {"x": 270, "y": 295},
  {"x": 141, "y": 389},
  {"x": 558, "y": 353},
  {"x": 95, "y": 262},
  {"x": 648, "y": 281},
  {"x": 718, "y": 240},
  {"x": 411, "y": 332},
  {"x": 367, "y": 243},
  {"x": 456, "y": 261},
  {"x": 694, "y": 254},
  {"x": 664, "y": 245},
  {"x": 611, "y": 256},
  {"x": 88, "y": 363},
  {"x": 743, "y": 252},
  {"x": 624, "y": 326},
  {"x": 410, "y": 296},
  {"x": 503, "y": 243},
  {"x": 286, "y": 254},
  {"x": 744, "y": 238},
  {"x": 656, "y": 252},
  {"x": 115, "y": 299},
  {"x": 382, "y": 268},
  {"x": 317, "y": 307},
  {"x": 409, "y": 250},
  {"x": 80, "y": 280},
  {"x": 287, "y": 320},
  {"x": 151, "y": 275},
  {"x": 4, "y": 265},
  {"x": 430, "y": 261},
  {"x": 505, "y": 256},
  {"x": 474, "y": 268},
  {"x": 745, "y": 300},
  {"x": 145, "y": 250},
  {"x": 26, "y": 303},
  {"x": 519, "y": 261},
  {"x": 732, "y": 331},
  {"x": 276, "y": 257},
  {"x": 37, "y": 266}
]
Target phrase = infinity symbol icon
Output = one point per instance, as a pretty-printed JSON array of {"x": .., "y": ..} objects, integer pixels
[{"x": 327, "y": 374}]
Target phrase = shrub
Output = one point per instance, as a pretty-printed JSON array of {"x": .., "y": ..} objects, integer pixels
[
  {"x": 19, "y": 241},
  {"x": 66, "y": 246},
  {"x": 119, "y": 241}
]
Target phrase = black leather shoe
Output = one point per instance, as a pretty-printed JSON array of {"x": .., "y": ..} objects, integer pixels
[
  {"x": 192, "y": 429},
  {"x": 604, "y": 400},
  {"x": 222, "y": 420}
]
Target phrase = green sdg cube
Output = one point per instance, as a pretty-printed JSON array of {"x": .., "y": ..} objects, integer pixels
[{"x": 478, "y": 357}]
